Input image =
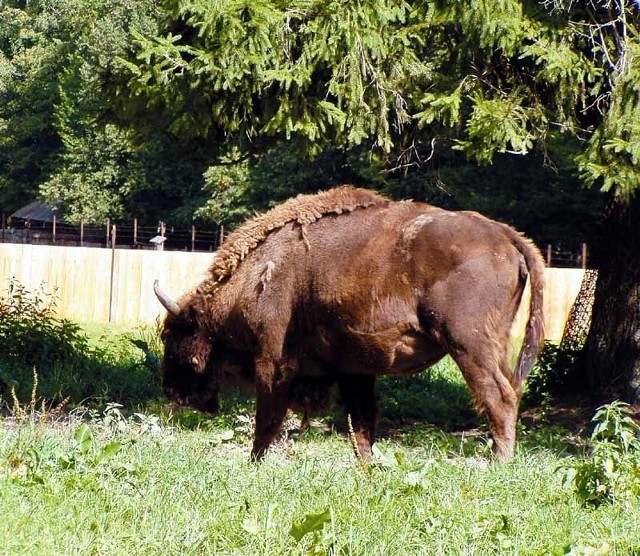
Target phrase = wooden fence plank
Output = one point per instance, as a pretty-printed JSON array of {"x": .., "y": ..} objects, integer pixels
[{"x": 82, "y": 277}]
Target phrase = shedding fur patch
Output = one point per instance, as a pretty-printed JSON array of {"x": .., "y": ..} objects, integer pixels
[
  {"x": 267, "y": 273},
  {"x": 303, "y": 209}
]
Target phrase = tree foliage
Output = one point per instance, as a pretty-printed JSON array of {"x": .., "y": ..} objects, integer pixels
[
  {"x": 486, "y": 76},
  {"x": 35, "y": 39},
  {"x": 60, "y": 142},
  {"x": 322, "y": 73},
  {"x": 385, "y": 87},
  {"x": 236, "y": 190},
  {"x": 612, "y": 158},
  {"x": 376, "y": 92},
  {"x": 404, "y": 81}
]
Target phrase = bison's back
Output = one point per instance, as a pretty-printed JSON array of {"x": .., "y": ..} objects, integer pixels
[{"x": 384, "y": 288}]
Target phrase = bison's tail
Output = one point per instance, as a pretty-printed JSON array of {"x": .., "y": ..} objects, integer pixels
[{"x": 534, "y": 332}]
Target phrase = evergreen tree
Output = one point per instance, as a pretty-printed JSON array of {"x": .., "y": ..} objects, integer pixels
[
  {"x": 611, "y": 356},
  {"x": 410, "y": 79}
]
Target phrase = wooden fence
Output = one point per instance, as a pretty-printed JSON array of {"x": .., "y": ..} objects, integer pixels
[
  {"x": 116, "y": 285},
  {"x": 561, "y": 289},
  {"x": 102, "y": 285}
]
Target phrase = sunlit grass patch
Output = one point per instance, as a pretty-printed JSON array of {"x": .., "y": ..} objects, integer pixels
[{"x": 171, "y": 490}]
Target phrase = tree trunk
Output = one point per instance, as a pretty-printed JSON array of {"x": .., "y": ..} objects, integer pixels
[{"x": 611, "y": 355}]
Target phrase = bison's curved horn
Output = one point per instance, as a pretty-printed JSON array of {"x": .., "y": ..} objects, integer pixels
[{"x": 168, "y": 303}]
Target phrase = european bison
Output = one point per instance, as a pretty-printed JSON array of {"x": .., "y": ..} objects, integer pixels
[{"x": 345, "y": 285}]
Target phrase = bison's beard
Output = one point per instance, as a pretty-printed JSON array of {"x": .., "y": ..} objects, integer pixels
[{"x": 207, "y": 402}]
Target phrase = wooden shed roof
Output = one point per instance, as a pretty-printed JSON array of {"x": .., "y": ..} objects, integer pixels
[{"x": 37, "y": 211}]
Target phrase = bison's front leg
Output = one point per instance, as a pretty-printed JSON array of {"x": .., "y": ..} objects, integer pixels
[
  {"x": 358, "y": 397},
  {"x": 271, "y": 407}
]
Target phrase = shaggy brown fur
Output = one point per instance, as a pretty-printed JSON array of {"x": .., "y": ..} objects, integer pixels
[
  {"x": 303, "y": 209},
  {"x": 296, "y": 302}
]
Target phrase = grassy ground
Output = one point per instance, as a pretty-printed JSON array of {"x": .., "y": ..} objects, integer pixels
[{"x": 141, "y": 478}]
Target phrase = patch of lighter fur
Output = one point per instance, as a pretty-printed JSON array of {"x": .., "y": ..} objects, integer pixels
[
  {"x": 497, "y": 360},
  {"x": 303, "y": 210},
  {"x": 267, "y": 273},
  {"x": 413, "y": 228},
  {"x": 535, "y": 274}
]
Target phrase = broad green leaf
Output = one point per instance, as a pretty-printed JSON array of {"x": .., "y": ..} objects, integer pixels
[
  {"x": 310, "y": 523},
  {"x": 84, "y": 438},
  {"x": 109, "y": 451}
]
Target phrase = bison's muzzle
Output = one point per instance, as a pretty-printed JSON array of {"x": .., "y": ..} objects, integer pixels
[{"x": 207, "y": 404}]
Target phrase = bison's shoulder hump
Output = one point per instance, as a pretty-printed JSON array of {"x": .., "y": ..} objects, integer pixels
[{"x": 303, "y": 209}]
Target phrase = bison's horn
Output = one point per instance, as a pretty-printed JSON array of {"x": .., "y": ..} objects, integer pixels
[{"x": 168, "y": 303}]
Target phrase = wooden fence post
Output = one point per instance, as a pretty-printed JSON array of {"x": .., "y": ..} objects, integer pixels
[
  {"x": 162, "y": 228},
  {"x": 113, "y": 267},
  {"x": 53, "y": 233},
  {"x": 108, "y": 232},
  {"x": 548, "y": 255},
  {"x": 81, "y": 233},
  {"x": 193, "y": 238},
  {"x": 135, "y": 232},
  {"x": 584, "y": 256}
]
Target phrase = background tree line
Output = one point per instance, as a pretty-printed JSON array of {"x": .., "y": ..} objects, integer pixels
[{"x": 185, "y": 109}]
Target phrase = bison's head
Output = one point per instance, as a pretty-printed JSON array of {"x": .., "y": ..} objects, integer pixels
[{"x": 187, "y": 373}]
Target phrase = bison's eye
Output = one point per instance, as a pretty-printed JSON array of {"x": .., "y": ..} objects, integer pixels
[{"x": 198, "y": 363}]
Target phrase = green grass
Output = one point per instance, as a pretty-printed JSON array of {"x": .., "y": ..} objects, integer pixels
[
  {"x": 98, "y": 364},
  {"x": 176, "y": 491},
  {"x": 142, "y": 478}
]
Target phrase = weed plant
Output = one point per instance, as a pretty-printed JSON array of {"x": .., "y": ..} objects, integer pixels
[
  {"x": 611, "y": 470},
  {"x": 31, "y": 334}
]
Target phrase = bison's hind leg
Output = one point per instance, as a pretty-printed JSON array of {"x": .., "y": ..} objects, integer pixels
[{"x": 486, "y": 371}]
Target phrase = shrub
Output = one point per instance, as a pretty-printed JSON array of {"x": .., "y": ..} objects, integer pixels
[
  {"x": 611, "y": 472},
  {"x": 118, "y": 369},
  {"x": 552, "y": 375},
  {"x": 30, "y": 332}
]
